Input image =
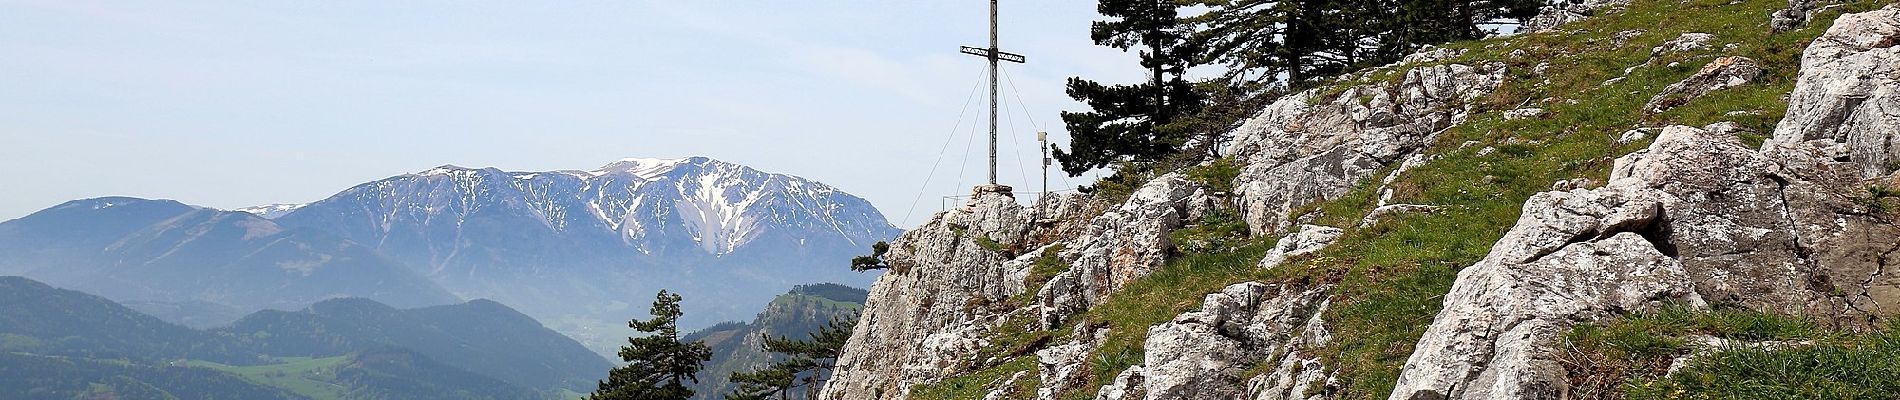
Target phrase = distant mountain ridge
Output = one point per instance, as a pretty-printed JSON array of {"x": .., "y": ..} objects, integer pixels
[
  {"x": 161, "y": 252},
  {"x": 585, "y": 250},
  {"x": 796, "y": 314},
  {"x": 378, "y": 351}
]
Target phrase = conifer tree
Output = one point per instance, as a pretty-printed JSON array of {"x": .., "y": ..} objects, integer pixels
[
  {"x": 807, "y": 363},
  {"x": 1132, "y": 122},
  {"x": 658, "y": 364},
  {"x": 873, "y": 261}
]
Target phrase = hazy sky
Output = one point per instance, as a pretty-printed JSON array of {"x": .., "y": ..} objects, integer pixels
[{"x": 238, "y": 103}]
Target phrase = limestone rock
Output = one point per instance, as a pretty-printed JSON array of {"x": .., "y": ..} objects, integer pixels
[
  {"x": 1566, "y": 11},
  {"x": 1788, "y": 19},
  {"x": 1849, "y": 91},
  {"x": 1121, "y": 245},
  {"x": 1523, "y": 113},
  {"x": 1062, "y": 365},
  {"x": 1723, "y": 73},
  {"x": 1127, "y": 385},
  {"x": 926, "y": 313},
  {"x": 1303, "y": 148},
  {"x": 1309, "y": 239},
  {"x": 1686, "y": 42},
  {"x": 1200, "y": 354},
  {"x": 1384, "y": 211},
  {"x": 1694, "y": 218}
]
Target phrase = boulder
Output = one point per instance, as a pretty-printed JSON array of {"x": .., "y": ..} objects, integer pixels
[
  {"x": 1201, "y": 354},
  {"x": 1723, "y": 73},
  {"x": 1849, "y": 91},
  {"x": 1121, "y": 245}
]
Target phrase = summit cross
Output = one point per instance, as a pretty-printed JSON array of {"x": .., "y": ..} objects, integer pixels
[{"x": 994, "y": 55}]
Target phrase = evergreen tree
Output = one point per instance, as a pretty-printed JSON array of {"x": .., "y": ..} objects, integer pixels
[
  {"x": 807, "y": 363},
  {"x": 1133, "y": 122},
  {"x": 658, "y": 364},
  {"x": 873, "y": 261}
]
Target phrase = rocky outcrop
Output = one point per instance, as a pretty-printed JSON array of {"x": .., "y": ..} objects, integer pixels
[
  {"x": 1310, "y": 238},
  {"x": 1723, "y": 73},
  {"x": 1788, "y": 19},
  {"x": 1566, "y": 11},
  {"x": 1201, "y": 354},
  {"x": 1694, "y": 218},
  {"x": 1849, "y": 91},
  {"x": 1310, "y": 147},
  {"x": 930, "y": 310},
  {"x": 1122, "y": 245}
]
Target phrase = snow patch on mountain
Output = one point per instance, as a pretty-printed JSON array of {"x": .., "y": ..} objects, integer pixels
[{"x": 270, "y": 211}]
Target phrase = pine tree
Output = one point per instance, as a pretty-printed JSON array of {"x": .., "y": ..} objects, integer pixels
[
  {"x": 658, "y": 364},
  {"x": 873, "y": 261},
  {"x": 807, "y": 363},
  {"x": 1132, "y": 122}
]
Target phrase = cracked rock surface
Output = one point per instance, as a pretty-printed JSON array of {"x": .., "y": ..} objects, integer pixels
[{"x": 1304, "y": 148}]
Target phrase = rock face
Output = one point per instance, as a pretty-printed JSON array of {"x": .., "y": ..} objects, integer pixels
[
  {"x": 1122, "y": 245},
  {"x": 1849, "y": 91},
  {"x": 1201, "y": 354},
  {"x": 1567, "y": 11},
  {"x": 927, "y": 311},
  {"x": 1305, "y": 148},
  {"x": 1723, "y": 73},
  {"x": 1695, "y": 218}
]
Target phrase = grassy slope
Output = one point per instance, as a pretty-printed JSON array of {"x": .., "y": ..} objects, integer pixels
[
  {"x": 308, "y": 377},
  {"x": 1391, "y": 277}
]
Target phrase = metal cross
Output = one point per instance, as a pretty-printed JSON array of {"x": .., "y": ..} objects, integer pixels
[{"x": 994, "y": 55}]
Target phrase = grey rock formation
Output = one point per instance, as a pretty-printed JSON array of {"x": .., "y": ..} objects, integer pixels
[
  {"x": 929, "y": 310},
  {"x": 1567, "y": 11},
  {"x": 1127, "y": 385},
  {"x": 1200, "y": 354},
  {"x": 1309, "y": 239},
  {"x": 1849, "y": 91},
  {"x": 1686, "y": 42},
  {"x": 1121, "y": 245},
  {"x": 1305, "y": 148},
  {"x": 1723, "y": 73},
  {"x": 1694, "y": 218},
  {"x": 1788, "y": 19}
]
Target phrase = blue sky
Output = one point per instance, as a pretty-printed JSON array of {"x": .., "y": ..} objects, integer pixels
[{"x": 230, "y": 104}]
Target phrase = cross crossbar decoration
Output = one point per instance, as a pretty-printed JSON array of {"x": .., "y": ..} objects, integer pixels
[{"x": 993, "y": 55}]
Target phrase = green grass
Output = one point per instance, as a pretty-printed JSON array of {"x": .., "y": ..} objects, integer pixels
[
  {"x": 974, "y": 386},
  {"x": 305, "y": 376},
  {"x": 1390, "y": 277},
  {"x": 1629, "y": 357}
]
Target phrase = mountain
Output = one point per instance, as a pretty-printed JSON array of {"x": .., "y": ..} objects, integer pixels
[
  {"x": 32, "y": 376},
  {"x": 270, "y": 211},
  {"x": 42, "y": 319},
  {"x": 795, "y": 314},
  {"x": 481, "y": 336},
  {"x": 585, "y": 250},
  {"x": 167, "y": 255},
  {"x": 349, "y": 347}
]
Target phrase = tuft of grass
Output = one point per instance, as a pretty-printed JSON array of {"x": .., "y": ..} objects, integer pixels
[
  {"x": 1629, "y": 357},
  {"x": 975, "y": 385}
]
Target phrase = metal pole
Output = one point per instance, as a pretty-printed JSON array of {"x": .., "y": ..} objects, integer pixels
[{"x": 994, "y": 54}]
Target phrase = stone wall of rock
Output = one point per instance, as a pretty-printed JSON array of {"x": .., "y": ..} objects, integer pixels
[
  {"x": 1696, "y": 218},
  {"x": 928, "y": 310},
  {"x": 1849, "y": 91},
  {"x": 1309, "y": 147},
  {"x": 1122, "y": 245}
]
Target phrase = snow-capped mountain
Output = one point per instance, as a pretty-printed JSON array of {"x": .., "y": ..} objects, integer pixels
[
  {"x": 600, "y": 242},
  {"x": 270, "y": 211}
]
